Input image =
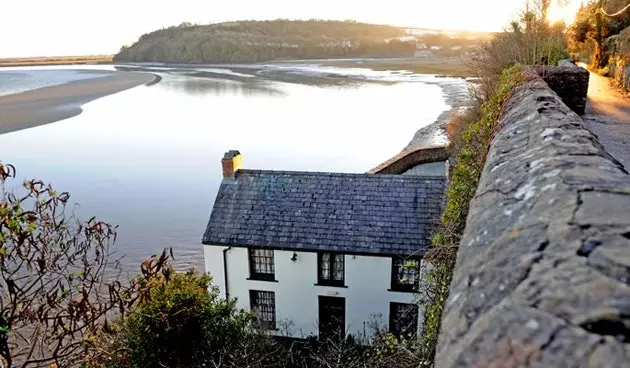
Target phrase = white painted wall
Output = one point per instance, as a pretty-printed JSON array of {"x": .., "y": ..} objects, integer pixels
[{"x": 367, "y": 297}]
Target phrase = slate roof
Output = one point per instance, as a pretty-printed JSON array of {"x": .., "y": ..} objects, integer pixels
[{"x": 350, "y": 213}]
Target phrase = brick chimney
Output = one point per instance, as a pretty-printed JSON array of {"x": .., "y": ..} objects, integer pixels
[{"x": 231, "y": 163}]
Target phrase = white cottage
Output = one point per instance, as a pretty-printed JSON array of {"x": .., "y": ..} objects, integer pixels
[{"x": 322, "y": 253}]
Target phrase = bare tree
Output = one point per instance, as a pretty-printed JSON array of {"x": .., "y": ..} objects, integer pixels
[{"x": 58, "y": 281}]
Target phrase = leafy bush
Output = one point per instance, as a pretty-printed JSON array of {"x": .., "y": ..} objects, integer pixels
[{"x": 182, "y": 322}]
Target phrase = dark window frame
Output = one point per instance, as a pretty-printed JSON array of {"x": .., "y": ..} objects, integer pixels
[
  {"x": 398, "y": 311},
  {"x": 331, "y": 265},
  {"x": 397, "y": 282},
  {"x": 265, "y": 302},
  {"x": 261, "y": 259}
]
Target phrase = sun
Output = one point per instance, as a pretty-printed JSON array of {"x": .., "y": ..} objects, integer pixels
[{"x": 562, "y": 11}]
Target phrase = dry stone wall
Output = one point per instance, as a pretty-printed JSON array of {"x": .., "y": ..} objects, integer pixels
[
  {"x": 543, "y": 269},
  {"x": 569, "y": 81}
]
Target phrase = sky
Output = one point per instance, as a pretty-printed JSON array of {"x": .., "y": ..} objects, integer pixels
[{"x": 79, "y": 27}]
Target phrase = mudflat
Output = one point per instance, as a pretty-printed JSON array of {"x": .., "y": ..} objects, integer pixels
[{"x": 46, "y": 105}]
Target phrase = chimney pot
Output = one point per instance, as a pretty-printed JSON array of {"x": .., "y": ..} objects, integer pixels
[{"x": 231, "y": 162}]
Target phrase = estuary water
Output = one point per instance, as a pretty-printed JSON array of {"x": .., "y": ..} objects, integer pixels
[{"x": 148, "y": 158}]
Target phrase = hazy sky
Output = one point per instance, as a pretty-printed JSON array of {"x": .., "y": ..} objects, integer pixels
[{"x": 79, "y": 27}]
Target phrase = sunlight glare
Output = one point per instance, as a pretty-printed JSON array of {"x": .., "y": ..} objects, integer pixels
[{"x": 562, "y": 11}]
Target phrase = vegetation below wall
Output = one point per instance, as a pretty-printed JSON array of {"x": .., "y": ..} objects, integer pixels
[
  {"x": 472, "y": 137},
  {"x": 530, "y": 40},
  {"x": 182, "y": 323}
]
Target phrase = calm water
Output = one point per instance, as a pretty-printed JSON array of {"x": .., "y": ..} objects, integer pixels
[{"x": 148, "y": 159}]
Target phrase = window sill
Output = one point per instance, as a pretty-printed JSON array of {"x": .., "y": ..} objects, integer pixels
[
  {"x": 331, "y": 285},
  {"x": 260, "y": 279}
]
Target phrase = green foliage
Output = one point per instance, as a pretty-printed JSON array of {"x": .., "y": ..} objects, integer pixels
[
  {"x": 475, "y": 140},
  {"x": 589, "y": 32},
  {"x": 177, "y": 323},
  {"x": 249, "y": 41},
  {"x": 180, "y": 322},
  {"x": 383, "y": 351}
]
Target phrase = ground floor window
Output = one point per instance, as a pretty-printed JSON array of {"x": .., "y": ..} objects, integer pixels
[
  {"x": 263, "y": 306},
  {"x": 403, "y": 319}
]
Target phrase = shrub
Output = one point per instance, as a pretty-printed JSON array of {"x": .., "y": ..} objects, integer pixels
[
  {"x": 57, "y": 276},
  {"x": 182, "y": 322}
]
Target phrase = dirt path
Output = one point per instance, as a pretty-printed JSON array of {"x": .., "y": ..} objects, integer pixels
[{"x": 608, "y": 116}]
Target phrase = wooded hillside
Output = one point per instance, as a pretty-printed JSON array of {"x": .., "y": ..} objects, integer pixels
[{"x": 250, "y": 41}]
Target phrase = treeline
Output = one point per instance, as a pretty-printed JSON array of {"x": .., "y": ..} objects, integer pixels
[
  {"x": 597, "y": 35},
  {"x": 251, "y": 41}
]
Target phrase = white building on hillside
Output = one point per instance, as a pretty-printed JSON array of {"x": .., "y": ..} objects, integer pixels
[{"x": 322, "y": 253}]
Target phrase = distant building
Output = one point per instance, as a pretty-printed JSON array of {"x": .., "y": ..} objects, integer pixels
[
  {"x": 347, "y": 44},
  {"x": 402, "y": 39},
  {"x": 314, "y": 253},
  {"x": 423, "y": 54}
]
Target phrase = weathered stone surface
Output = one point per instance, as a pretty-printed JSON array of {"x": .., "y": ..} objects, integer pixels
[
  {"x": 569, "y": 81},
  {"x": 543, "y": 269}
]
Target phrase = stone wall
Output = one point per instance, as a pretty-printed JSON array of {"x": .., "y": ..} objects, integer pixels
[
  {"x": 410, "y": 158},
  {"x": 618, "y": 53},
  {"x": 543, "y": 269},
  {"x": 569, "y": 81}
]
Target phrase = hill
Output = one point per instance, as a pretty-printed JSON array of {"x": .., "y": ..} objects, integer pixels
[{"x": 251, "y": 41}]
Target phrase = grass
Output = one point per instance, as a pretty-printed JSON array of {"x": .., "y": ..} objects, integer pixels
[{"x": 56, "y": 60}]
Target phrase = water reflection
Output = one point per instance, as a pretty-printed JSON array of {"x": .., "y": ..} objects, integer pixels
[
  {"x": 199, "y": 81},
  {"x": 201, "y": 86}
]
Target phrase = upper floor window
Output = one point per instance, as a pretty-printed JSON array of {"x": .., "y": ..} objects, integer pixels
[
  {"x": 330, "y": 269},
  {"x": 263, "y": 306},
  {"x": 405, "y": 274},
  {"x": 261, "y": 265},
  {"x": 403, "y": 319}
]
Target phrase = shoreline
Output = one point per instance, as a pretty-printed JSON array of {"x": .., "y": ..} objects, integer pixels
[
  {"x": 434, "y": 134},
  {"x": 281, "y": 70},
  {"x": 54, "y": 103},
  {"x": 56, "y": 60}
]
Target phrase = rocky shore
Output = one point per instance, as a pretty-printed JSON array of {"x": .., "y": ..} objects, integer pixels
[{"x": 434, "y": 135}]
